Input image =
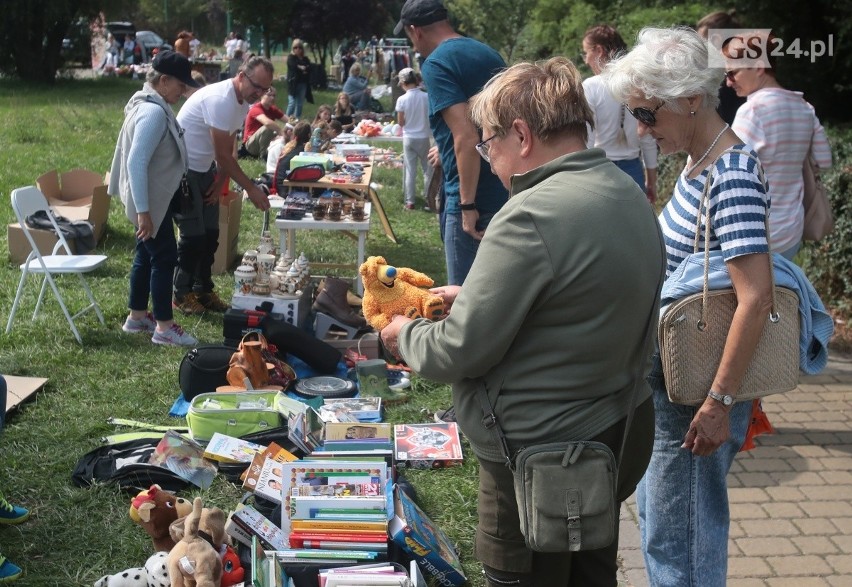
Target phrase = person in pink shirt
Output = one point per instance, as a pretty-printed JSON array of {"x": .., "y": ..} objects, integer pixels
[{"x": 782, "y": 127}]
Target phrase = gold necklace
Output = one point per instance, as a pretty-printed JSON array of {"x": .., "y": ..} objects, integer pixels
[{"x": 707, "y": 152}]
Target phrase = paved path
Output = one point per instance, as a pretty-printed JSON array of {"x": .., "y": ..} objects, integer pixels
[{"x": 791, "y": 498}]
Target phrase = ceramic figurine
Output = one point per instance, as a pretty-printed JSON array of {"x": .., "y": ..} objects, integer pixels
[
  {"x": 266, "y": 245},
  {"x": 244, "y": 279}
]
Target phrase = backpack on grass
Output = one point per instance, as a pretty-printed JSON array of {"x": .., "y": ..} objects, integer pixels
[{"x": 125, "y": 463}]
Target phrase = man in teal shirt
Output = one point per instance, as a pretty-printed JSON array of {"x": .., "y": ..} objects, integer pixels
[{"x": 455, "y": 69}]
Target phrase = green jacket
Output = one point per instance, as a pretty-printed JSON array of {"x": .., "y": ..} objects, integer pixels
[{"x": 553, "y": 313}]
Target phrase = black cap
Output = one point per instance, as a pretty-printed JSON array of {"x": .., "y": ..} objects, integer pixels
[
  {"x": 175, "y": 65},
  {"x": 420, "y": 13}
]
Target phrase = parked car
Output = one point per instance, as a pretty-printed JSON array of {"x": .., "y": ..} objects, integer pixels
[{"x": 150, "y": 41}]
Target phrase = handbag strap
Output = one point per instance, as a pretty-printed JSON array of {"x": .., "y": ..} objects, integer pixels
[
  {"x": 491, "y": 422},
  {"x": 704, "y": 204}
]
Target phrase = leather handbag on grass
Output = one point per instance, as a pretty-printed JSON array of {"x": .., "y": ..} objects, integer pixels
[
  {"x": 694, "y": 329},
  {"x": 257, "y": 362},
  {"x": 566, "y": 491},
  {"x": 819, "y": 218}
]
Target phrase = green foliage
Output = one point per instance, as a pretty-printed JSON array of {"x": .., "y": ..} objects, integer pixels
[
  {"x": 828, "y": 263},
  {"x": 500, "y": 26},
  {"x": 169, "y": 17}
]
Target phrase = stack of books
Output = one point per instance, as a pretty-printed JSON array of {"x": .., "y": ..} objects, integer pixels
[
  {"x": 340, "y": 505},
  {"x": 346, "y": 439},
  {"x": 269, "y": 569}
]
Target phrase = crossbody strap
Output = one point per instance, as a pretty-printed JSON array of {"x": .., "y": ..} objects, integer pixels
[{"x": 491, "y": 422}]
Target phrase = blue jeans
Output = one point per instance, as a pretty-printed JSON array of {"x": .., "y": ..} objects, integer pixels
[
  {"x": 633, "y": 168},
  {"x": 153, "y": 270},
  {"x": 296, "y": 99},
  {"x": 459, "y": 247},
  {"x": 683, "y": 498}
]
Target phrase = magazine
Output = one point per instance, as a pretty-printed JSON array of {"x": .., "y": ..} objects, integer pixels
[{"x": 184, "y": 457}]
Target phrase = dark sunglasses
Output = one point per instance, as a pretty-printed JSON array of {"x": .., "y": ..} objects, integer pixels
[
  {"x": 644, "y": 115},
  {"x": 732, "y": 74}
]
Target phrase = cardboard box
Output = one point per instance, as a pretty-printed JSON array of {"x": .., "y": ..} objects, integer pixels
[
  {"x": 78, "y": 194},
  {"x": 424, "y": 542},
  {"x": 230, "y": 212},
  {"x": 367, "y": 344},
  {"x": 19, "y": 248}
]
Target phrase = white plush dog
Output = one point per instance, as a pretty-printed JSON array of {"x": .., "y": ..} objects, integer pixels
[{"x": 153, "y": 574}]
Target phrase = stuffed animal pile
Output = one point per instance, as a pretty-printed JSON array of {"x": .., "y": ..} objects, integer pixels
[
  {"x": 176, "y": 527},
  {"x": 391, "y": 291},
  {"x": 194, "y": 561}
]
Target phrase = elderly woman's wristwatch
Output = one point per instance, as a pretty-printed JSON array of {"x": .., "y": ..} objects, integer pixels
[{"x": 726, "y": 400}]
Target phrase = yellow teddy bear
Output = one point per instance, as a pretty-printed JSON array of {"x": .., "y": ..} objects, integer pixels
[{"x": 391, "y": 291}]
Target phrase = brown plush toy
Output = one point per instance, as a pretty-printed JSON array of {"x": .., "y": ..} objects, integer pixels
[
  {"x": 194, "y": 561},
  {"x": 155, "y": 509},
  {"x": 391, "y": 291}
]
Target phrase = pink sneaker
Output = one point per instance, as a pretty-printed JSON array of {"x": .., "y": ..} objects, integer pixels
[
  {"x": 146, "y": 324},
  {"x": 174, "y": 336}
]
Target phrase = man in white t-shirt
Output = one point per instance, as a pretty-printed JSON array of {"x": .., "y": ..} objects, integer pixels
[
  {"x": 210, "y": 119},
  {"x": 412, "y": 109}
]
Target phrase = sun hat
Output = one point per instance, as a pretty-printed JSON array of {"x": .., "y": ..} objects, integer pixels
[{"x": 175, "y": 65}]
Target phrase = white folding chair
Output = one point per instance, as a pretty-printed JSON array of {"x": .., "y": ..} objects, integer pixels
[{"x": 26, "y": 201}]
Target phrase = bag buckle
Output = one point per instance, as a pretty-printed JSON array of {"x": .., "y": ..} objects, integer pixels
[
  {"x": 573, "y": 521},
  {"x": 489, "y": 421}
]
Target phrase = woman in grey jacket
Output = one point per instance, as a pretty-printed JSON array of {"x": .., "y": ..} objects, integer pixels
[
  {"x": 147, "y": 168},
  {"x": 553, "y": 316}
]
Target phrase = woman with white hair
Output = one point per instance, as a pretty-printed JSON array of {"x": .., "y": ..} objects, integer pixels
[
  {"x": 357, "y": 87},
  {"x": 683, "y": 505}
]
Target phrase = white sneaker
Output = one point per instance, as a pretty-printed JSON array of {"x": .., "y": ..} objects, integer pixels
[
  {"x": 174, "y": 336},
  {"x": 146, "y": 324}
]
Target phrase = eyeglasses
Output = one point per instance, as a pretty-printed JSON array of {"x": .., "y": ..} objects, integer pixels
[
  {"x": 646, "y": 116},
  {"x": 732, "y": 74},
  {"x": 256, "y": 86},
  {"x": 483, "y": 148}
]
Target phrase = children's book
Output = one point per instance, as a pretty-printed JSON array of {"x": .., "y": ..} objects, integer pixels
[
  {"x": 275, "y": 452},
  {"x": 227, "y": 449},
  {"x": 270, "y": 483},
  {"x": 253, "y": 522},
  {"x": 355, "y": 507},
  {"x": 361, "y": 432},
  {"x": 339, "y": 490},
  {"x": 426, "y": 446},
  {"x": 184, "y": 457}
]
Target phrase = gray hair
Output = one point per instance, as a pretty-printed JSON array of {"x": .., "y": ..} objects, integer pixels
[
  {"x": 666, "y": 64},
  {"x": 153, "y": 76},
  {"x": 254, "y": 62}
]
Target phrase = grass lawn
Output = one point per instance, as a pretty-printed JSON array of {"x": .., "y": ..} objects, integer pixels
[{"x": 77, "y": 535}]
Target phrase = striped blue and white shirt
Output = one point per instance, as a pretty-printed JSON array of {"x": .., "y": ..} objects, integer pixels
[{"x": 738, "y": 208}]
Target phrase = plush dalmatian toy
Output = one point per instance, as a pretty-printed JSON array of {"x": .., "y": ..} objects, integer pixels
[{"x": 153, "y": 574}]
